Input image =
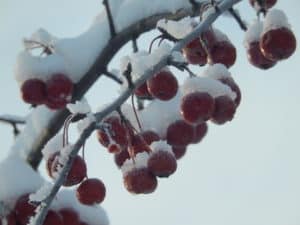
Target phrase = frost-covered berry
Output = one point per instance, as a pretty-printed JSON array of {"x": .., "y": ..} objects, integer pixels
[
  {"x": 49, "y": 163},
  {"x": 69, "y": 216},
  {"x": 140, "y": 181},
  {"x": 163, "y": 85},
  {"x": 179, "y": 133},
  {"x": 195, "y": 53},
  {"x": 91, "y": 191},
  {"x": 149, "y": 136},
  {"x": 59, "y": 91},
  {"x": 222, "y": 52},
  {"x": 257, "y": 59},
  {"x": 278, "y": 44},
  {"x": 197, "y": 107},
  {"x": 24, "y": 210},
  {"x": 162, "y": 163},
  {"x": 52, "y": 218},
  {"x": 142, "y": 92},
  {"x": 266, "y": 3},
  {"x": 121, "y": 157},
  {"x": 138, "y": 145},
  {"x": 34, "y": 91},
  {"x": 224, "y": 110},
  {"x": 115, "y": 135}
]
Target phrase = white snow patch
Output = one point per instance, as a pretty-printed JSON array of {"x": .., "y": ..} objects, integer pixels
[
  {"x": 216, "y": 71},
  {"x": 55, "y": 144},
  {"x": 41, "y": 193},
  {"x": 139, "y": 161},
  {"x": 275, "y": 19},
  {"x": 161, "y": 146},
  {"x": 253, "y": 33},
  {"x": 80, "y": 107},
  {"x": 85, "y": 122}
]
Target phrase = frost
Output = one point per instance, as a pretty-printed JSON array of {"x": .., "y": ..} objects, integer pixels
[
  {"x": 275, "y": 19},
  {"x": 85, "y": 122},
  {"x": 253, "y": 33},
  {"x": 178, "y": 57},
  {"x": 216, "y": 71},
  {"x": 41, "y": 193},
  {"x": 161, "y": 146},
  {"x": 204, "y": 84},
  {"x": 80, "y": 107},
  {"x": 139, "y": 161},
  {"x": 55, "y": 144},
  {"x": 177, "y": 29}
]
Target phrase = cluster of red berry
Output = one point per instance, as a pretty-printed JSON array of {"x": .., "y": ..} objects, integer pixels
[
  {"x": 273, "y": 39},
  {"x": 55, "y": 93}
]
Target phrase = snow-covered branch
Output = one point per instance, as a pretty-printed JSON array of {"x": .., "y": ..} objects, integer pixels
[{"x": 162, "y": 62}]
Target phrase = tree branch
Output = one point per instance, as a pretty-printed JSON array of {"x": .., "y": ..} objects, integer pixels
[
  {"x": 45, "y": 204},
  {"x": 238, "y": 19}
]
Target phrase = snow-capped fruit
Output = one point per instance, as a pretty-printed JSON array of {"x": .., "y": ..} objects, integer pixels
[
  {"x": 163, "y": 85},
  {"x": 91, "y": 191},
  {"x": 200, "y": 131},
  {"x": 59, "y": 91},
  {"x": 138, "y": 145},
  {"x": 52, "y": 218},
  {"x": 140, "y": 181},
  {"x": 257, "y": 59},
  {"x": 278, "y": 44},
  {"x": 142, "y": 92},
  {"x": 49, "y": 163},
  {"x": 195, "y": 53},
  {"x": 179, "y": 151},
  {"x": 179, "y": 133},
  {"x": 224, "y": 110},
  {"x": 34, "y": 91},
  {"x": 121, "y": 157},
  {"x": 222, "y": 52},
  {"x": 69, "y": 216},
  {"x": 115, "y": 134},
  {"x": 266, "y": 3},
  {"x": 197, "y": 107},
  {"x": 162, "y": 163},
  {"x": 24, "y": 210},
  {"x": 234, "y": 87},
  {"x": 149, "y": 136}
]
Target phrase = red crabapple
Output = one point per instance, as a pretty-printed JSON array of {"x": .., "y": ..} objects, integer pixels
[
  {"x": 34, "y": 91},
  {"x": 195, "y": 53},
  {"x": 179, "y": 151},
  {"x": 234, "y": 87},
  {"x": 24, "y": 210},
  {"x": 197, "y": 107},
  {"x": 200, "y": 131},
  {"x": 142, "y": 92},
  {"x": 256, "y": 58},
  {"x": 162, "y": 163},
  {"x": 180, "y": 133},
  {"x": 224, "y": 110},
  {"x": 278, "y": 44},
  {"x": 91, "y": 191},
  {"x": 163, "y": 85},
  {"x": 121, "y": 157},
  {"x": 140, "y": 181},
  {"x": 69, "y": 216},
  {"x": 266, "y": 3},
  {"x": 52, "y": 218},
  {"x": 222, "y": 52}
]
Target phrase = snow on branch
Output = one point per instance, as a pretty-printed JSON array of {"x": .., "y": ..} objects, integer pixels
[{"x": 163, "y": 61}]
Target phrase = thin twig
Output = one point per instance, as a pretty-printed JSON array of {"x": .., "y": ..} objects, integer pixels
[
  {"x": 134, "y": 44},
  {"x": 13, "y": 121},
  {"x": 113, "y": 77},
  {"x": 238, "y": 19},
  {"x": 110, "y": 18}
]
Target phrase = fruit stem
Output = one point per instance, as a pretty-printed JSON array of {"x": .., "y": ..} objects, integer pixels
[{"x": 110, "y": 18}]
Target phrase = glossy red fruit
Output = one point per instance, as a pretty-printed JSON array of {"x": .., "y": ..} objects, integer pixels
[
  {"x": 266, "y": 3},
  {"x": 195, "y": 53},
  {"x": 59, "y": 91},
  {"x": 69, "y": 216},
  {"x": 91, "y": 191},
  {"x": 197, "y": 107},
  {"x": 121, "y": 157},
  {"x": 140, "y": 181},
  {"x": 180, "y": 133},
  {"x": 53, "y": 218},
  {"x": 222, "y": 52},
  {"x": 200, "y": 131},
  {"x": 149, "y": 136},
  {"x": 117, "y": 133},
  {"x": 142, "y": 92},
  {"x": 234, "y": 87},
  {"x": 163, "y": 85},
  {"x": 224, "y": 110},
  {"x": 34, "y": 91},
  {"x": 138, "y": 145},
  {"x": 278, "y": 44},
  {"x": 24, "y": 210},
  {"x": 179, "y": 151},
  {"x": 162, "y": 163},
  {"x": 257, "y": 59}
]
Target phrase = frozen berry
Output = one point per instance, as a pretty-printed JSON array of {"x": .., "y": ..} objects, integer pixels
[
  {"x": 142, "y": 92},
  {"x": 200, "y": 131},
  {"x": 121, "y": 157},
  {"x": 138, "y": 145},
  {"x": 224, "y": 110},
  {"x": 278, "y": 44},
  {"x": 91, "y": 191},
  {"x": 222, "y": 52},
  {"x": 179, "y": 151},
  {"x": 197, "y": 107},
  {"x": 69, "y": 216},
  {"x": 162, "y": 163},
  {"x": 180, "y": 133},
  {"x": 59, "y": 91},
  {"x": 266, "y": 4},
  {"x": 256, "y": 58},
  {"x": 24, "y": 209},
  {"x": 52, "y": 218},
  {"x": 234, "y": 87},
  {"x": 140, "y": 181},
  {"x": 34, "y": 91},
  {"x": 195, "y": 53},
  {"x": 163, "y": 85}
]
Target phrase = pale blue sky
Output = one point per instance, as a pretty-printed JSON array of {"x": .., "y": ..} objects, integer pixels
[{"x": 243, "y": 173}]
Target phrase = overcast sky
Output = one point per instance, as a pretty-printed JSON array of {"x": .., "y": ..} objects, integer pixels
[{"x": 243, "y": 173}]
